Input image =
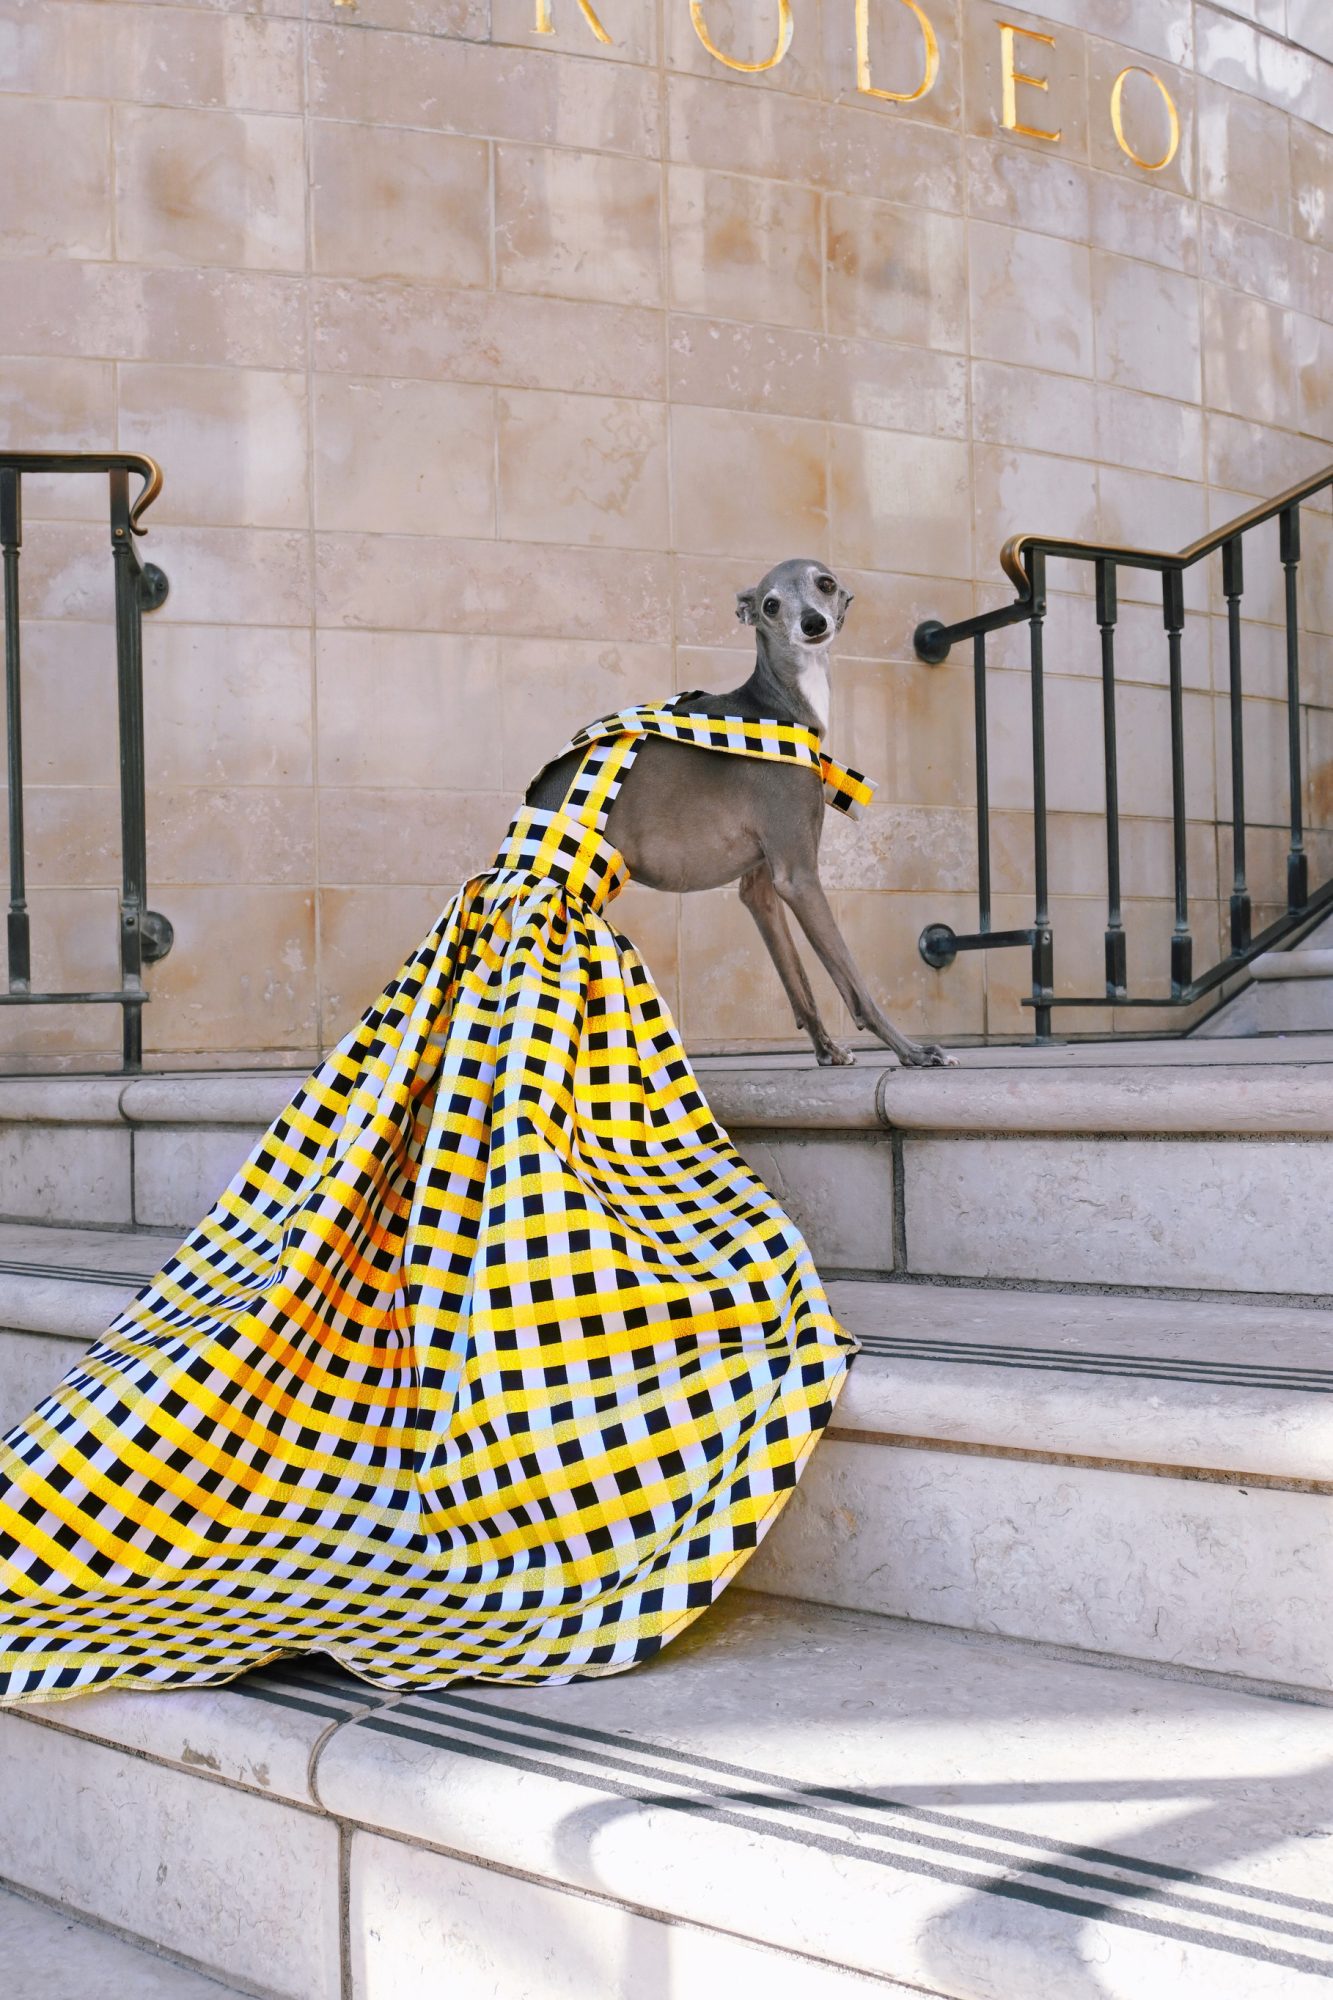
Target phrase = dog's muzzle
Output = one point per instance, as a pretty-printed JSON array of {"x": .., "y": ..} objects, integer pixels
[{"x": 814, "y": 624}]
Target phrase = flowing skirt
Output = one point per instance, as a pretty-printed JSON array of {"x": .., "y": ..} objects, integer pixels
[{"x": 493, "y": 1361}]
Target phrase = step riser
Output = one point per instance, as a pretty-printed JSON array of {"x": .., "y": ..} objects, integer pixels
[
  {"x": 1229, "y": 1577},
  {"x": 237, "y": 1883},
  {"x": 1212, "y": 1214},
  {"x": 1190, "y": 1573}
]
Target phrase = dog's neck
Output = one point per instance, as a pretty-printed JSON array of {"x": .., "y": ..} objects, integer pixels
[{"x": 792, "y": 690}]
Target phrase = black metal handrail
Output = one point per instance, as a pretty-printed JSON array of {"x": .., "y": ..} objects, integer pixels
[
  {"x": 145, "y": 935},
  {"x": 1024, "y": 559}
]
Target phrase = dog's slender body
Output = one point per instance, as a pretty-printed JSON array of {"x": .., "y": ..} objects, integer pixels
[{"x": 686, "y": 818}]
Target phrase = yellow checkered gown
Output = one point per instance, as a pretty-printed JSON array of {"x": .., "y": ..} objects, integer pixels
[{"x": 493, "y": 1361}]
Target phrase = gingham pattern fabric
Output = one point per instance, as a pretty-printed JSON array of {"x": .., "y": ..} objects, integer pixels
[{"x": 493, "y": 1361}]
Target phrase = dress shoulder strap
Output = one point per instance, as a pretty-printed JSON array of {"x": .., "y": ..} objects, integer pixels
[{"x": 846, "y": 790}]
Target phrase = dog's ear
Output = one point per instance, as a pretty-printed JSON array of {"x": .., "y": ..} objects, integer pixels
[
  {"x": 845, "y": 602},
  {"x": 747, "y": 606}
]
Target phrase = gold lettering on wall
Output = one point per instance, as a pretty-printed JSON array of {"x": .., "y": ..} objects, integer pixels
[
  {"x": 771, "y": 62},
  {"x": 932, "y": 47},
  {"x": 1118, "y": 121},
  {"x": 1012, "y": 77},
  {"x": 545, "y": 26}
]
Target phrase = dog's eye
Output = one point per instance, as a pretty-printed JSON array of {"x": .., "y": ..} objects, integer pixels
[
  {"x": 827, "y": 585},
  {"x": 772, "y": 606}
]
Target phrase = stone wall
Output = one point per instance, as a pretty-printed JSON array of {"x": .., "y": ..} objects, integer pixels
[{"x": 485, "y": 364}]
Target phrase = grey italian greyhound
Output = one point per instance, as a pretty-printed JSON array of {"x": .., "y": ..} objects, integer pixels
[{"x": 686, "y": 818}]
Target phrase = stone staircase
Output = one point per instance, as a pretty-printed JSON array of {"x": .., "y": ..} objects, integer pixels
[
  {"x": 1030, "y": 1690},
  {"x": 1289, "y": 992}
]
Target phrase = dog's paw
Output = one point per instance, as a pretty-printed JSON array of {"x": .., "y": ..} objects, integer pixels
[
  {"x": 927, "y": 1055},
  {"x": 834, "y": 1056}
]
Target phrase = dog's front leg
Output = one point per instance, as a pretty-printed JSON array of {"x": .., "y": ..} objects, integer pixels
[
  {"x": 762, "y": 901},
  {"x": 802, "y": 891}
]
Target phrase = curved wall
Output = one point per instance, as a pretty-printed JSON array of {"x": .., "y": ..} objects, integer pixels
[{"x": 486, "y": 364}]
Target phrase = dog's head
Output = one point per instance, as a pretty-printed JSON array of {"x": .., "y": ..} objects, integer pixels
[{"x": 800, "y": 603}]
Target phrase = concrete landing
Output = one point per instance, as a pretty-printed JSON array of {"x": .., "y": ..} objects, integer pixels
[{"x": 48, "y": 1954}]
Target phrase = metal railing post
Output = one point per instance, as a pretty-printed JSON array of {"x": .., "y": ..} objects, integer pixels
[
  {"x": 983, "y": 781},
  {"x": 1233, "y": 585},
  {"x": 1115, "y": 925},
  {"x": 1182, "y": 944},
  {"x": 1043, "y": 944},
  {"x": 1298, "y": 864},
  {"x": 11, "y": 541}
]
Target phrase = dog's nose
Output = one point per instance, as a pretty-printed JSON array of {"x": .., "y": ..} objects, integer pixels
[{"x": 814, "y": 624}]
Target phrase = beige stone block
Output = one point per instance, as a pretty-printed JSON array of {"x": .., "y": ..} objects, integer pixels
[
  {"x": 730, "y": 992},
  {"x": 1308, "y": 23},
  {"x": 1251, "y": 258},
  {"x": 508, "y": 588},
  {"x": 550, "y": 688},
  {"x": 177, "y": 56},
  {"x": 1312, "y": 183},
  {"x": 1143, "y": 510},
  {"x": 1153, "y": 27},
  {"x": 468, "y": 19},
  {"x": 50, "y": 404},
  {"x": 894, "y": 158},
  {"x": 1148, "y": 222},
  {"x": 1150, "y": 434},
  {"x": 55, "y": 214},
  {"x": 1076, "y": 850},
  {"x": 1147, "y": 327},
  {"x": 896, "y": 273},
  {"x": 69, "y": 703},
  {"x": 1145, "y": 118},
  {"x": 1029, "y": 492},
  {"x": 901, "y": 503},
  {"x": 226, "y": 705},
  {"x": 747, "y": 32},
  {"x": 1061, "y": 107},
  {"x": 750, "y": 485},
  {"x": 405, "y": 458},
  {"x": 897, "y": 52},
  {"x": 366, "y": 934},
  {"x": 1046, "y": 189},
  {"x": 407, "y": 709},
  {"x": 1264, "y": 728},
  {"x": 507, "y": 340},
  {"x": 397, "y": 836},
  {"x": 792, "y": 373},
  {"x": 64, "y": 1173},
  {"x": 438, "y": 83},
  {"x": 1248, "y": 357},
  {"x": 241, "y": 974},
  {"x": 1244, "y": 156},
  {"x": 633, "y": 29},
  {"x": 1033, "y": 410},
  {"x": 744, "y": 248},
  {"x": 900, "y": 849},
  {"x": 715, "y": 122},
  {"x": 250, "y": 319},
  {"x": 1314, "y": 375},
  {"x": 404, "y": 205},
  {"x": 587, "y": 469},
  {"x": 1012, "y": 270},
  {"x": 882, "y": 931},
  {"x": 179, "y": 1171},
  {"x": 233, "y": 442},
  {"x": 229, "y": 576},
  {"x": 71, "y": 835},
  {"x": 210, "y": 187},
  {"x": 910, "y": 728},
  {"x": 585, "y": 225},
  {"x": 256, "y": 833},
  {"x": 837, "y": 1190}
]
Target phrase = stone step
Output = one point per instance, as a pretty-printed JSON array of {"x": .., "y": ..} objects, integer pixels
[
  {"x": 817, "y": 1804},
  {"x": 1153, "y": 1167},
  {"x": 50, "y": 1954},
  {"x": 1289, "y": 992},
  {"x": 1140, "y": 1476}
]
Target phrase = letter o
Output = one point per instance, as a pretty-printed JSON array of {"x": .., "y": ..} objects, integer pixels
[
  {"x": 751, "y": 68},
  {"x": 1118, "y": 121}
]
